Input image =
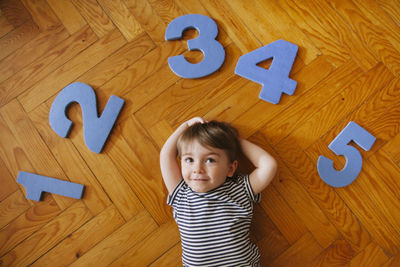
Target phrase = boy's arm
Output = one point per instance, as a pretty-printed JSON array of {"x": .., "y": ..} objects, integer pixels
[
  {"x": 265, "y": 164},
  {"x": 170, "y": 169}
]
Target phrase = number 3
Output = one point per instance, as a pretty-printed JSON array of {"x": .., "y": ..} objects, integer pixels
[
  {"x": 214, "y": 53},
  {"x": 96, "y": 129},
  {"x": 353, "y": 157}
]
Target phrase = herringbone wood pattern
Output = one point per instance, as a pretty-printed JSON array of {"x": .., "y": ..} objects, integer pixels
[{"x": 347, "y": 68}]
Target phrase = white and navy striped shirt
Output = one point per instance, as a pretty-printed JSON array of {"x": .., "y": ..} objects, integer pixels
[{"x": 215, "y": 226}]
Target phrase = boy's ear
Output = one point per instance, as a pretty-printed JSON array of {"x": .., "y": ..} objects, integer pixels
[{"x": 232, "y": 168}]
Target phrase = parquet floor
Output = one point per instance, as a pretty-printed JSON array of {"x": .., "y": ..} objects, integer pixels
[{"x": 347, "y": 69}]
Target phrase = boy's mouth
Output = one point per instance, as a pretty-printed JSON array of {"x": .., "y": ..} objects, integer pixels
[{"x": 200, "y": 179}]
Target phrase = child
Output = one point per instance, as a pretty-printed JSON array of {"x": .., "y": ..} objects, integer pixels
[{"x": 212, "y": 206}]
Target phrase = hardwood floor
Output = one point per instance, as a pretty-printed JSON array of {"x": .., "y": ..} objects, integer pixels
[{"x": 347, "y": 69}]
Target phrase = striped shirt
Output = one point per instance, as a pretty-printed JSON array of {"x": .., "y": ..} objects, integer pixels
[{"x": 215, "y": 226}]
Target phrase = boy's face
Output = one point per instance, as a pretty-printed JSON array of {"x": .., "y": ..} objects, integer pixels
[{"x": 205, "y": 168}]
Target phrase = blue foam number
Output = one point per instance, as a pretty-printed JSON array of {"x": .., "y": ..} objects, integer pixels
[
  {"x": 35, "y": 185},
  {"x": 213, "y": 51},
  {"x": 96, "y": 129},
  {"x": 275, "y": 80},
  {"x": 352, "y": 132}
]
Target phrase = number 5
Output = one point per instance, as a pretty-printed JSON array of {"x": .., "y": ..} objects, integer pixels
[{"x": 353, "y": 157}]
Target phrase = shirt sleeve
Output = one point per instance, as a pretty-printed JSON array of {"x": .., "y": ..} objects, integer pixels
[
  {"x": 249, "y": 189},
  {"x": 171, "y": 198}
]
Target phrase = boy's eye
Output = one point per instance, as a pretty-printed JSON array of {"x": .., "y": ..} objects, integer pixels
[
  {"x": 210, "y": 160},
  {"x": 188, "y": 160}
]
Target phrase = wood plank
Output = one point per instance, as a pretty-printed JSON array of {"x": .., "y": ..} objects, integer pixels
[
  {"x": 70, "y": 71},
  {"x": 32, "y": 51},
  {"x": 27, "y": 224},
  {"x": 378, "y": 115},
  {"x": 184, "y": 93},
  {"x": 118, "y": 62},
  {"x": 122, "y": 18},
  {"x": 83, "y": 239},
  {"x": 168, "y": 10},
  {"x": 68, "y": 15},
  {"x": 5, "y": 26},
  {"x": 372, "y": 254},
  {"x": 232, "y": 25},
  {"x": 391, "y": 7},
  {"x": 106, "y": 172},
  {"x": 169, "y": 258},
  {"x": 12, "y": 154},
  {"x": 67, "y": 155},
  {"x": 42, "y": 14},
  {"x": 147, "y": 250},
  {"x": 392, "y": 148},
  {"x": 359, "y": 52},
  {"x": 52, "y": 233},
  {"x": 15, "y": 12},
  {"x": 387, "y": 168},
  {"x": 269, "y": 240},
  {"x": 7, "y": 181},
  {"x": 121, "y": 240},
  {"x": 12, "y": 207},
  {"x": 124, "y": 151},
  {"x": 338, "y": 254},
  {"x": 283, "y": 124},
  {"x": 283, "y": 24},
  {"x": 373, "y": 219},
  {"x": 37, "y": 151},
  {"x": 305, "y": 208},
  {"x": 373, "y": 35},
  {"x": 95, "y": 16},
  {"x": 384, "y": 198},
  {"x": 312, "y": 27},
  {"x": 328, "y": 200},
  {"x": 148, "y": 19},
  {"x": 302, "y": 252},
  {"x": 379, "y": 17},
  {"x": 142, "y": 94},
  {"x": 262, "y": 112},
  {"x": 17, "y": 38},
  {"x": 131, "y": 83},
  {"x": 392, "y": 262},
  {"x": 40, "y": 69},
  {"x": 341, "y": 105},
  {"x": 282, "y": 215}
]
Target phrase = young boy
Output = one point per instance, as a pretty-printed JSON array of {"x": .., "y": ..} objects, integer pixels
[{"x": 213, "y": 206}]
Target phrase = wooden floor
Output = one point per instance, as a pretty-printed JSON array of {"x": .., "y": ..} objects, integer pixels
[{"x": 347, "y": 69}]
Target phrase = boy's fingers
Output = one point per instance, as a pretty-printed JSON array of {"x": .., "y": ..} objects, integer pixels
[{"x": 195, "y": 120}]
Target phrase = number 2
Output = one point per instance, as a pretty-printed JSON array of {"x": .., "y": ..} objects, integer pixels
[
  {"x": 275, "y": 80},
  {"x": 96, "y": 129},
  {"x": 213, "y": 51},
  {"x": 353, "y": 157}
]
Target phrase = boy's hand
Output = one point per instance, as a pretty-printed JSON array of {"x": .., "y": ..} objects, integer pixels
[
  {"x": 170, "y": 168},
  {"x": 195, "y": 120},
  {"x": 265, "y": 164}
]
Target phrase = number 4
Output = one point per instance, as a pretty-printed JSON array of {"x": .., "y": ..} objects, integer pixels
[
  {"x": 275, "y": 80},
  {"x": 352, "y": 132}
]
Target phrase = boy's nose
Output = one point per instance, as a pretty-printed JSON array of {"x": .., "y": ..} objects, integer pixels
[{"x": 198, "y": 167}]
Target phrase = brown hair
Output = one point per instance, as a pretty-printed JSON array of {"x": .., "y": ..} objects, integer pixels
[{"x": 214, "y": 134}]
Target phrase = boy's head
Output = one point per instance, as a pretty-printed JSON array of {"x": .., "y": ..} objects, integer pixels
[
  {"x": 208, "y": 153},
  {"x": 212, "y": 134}
]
